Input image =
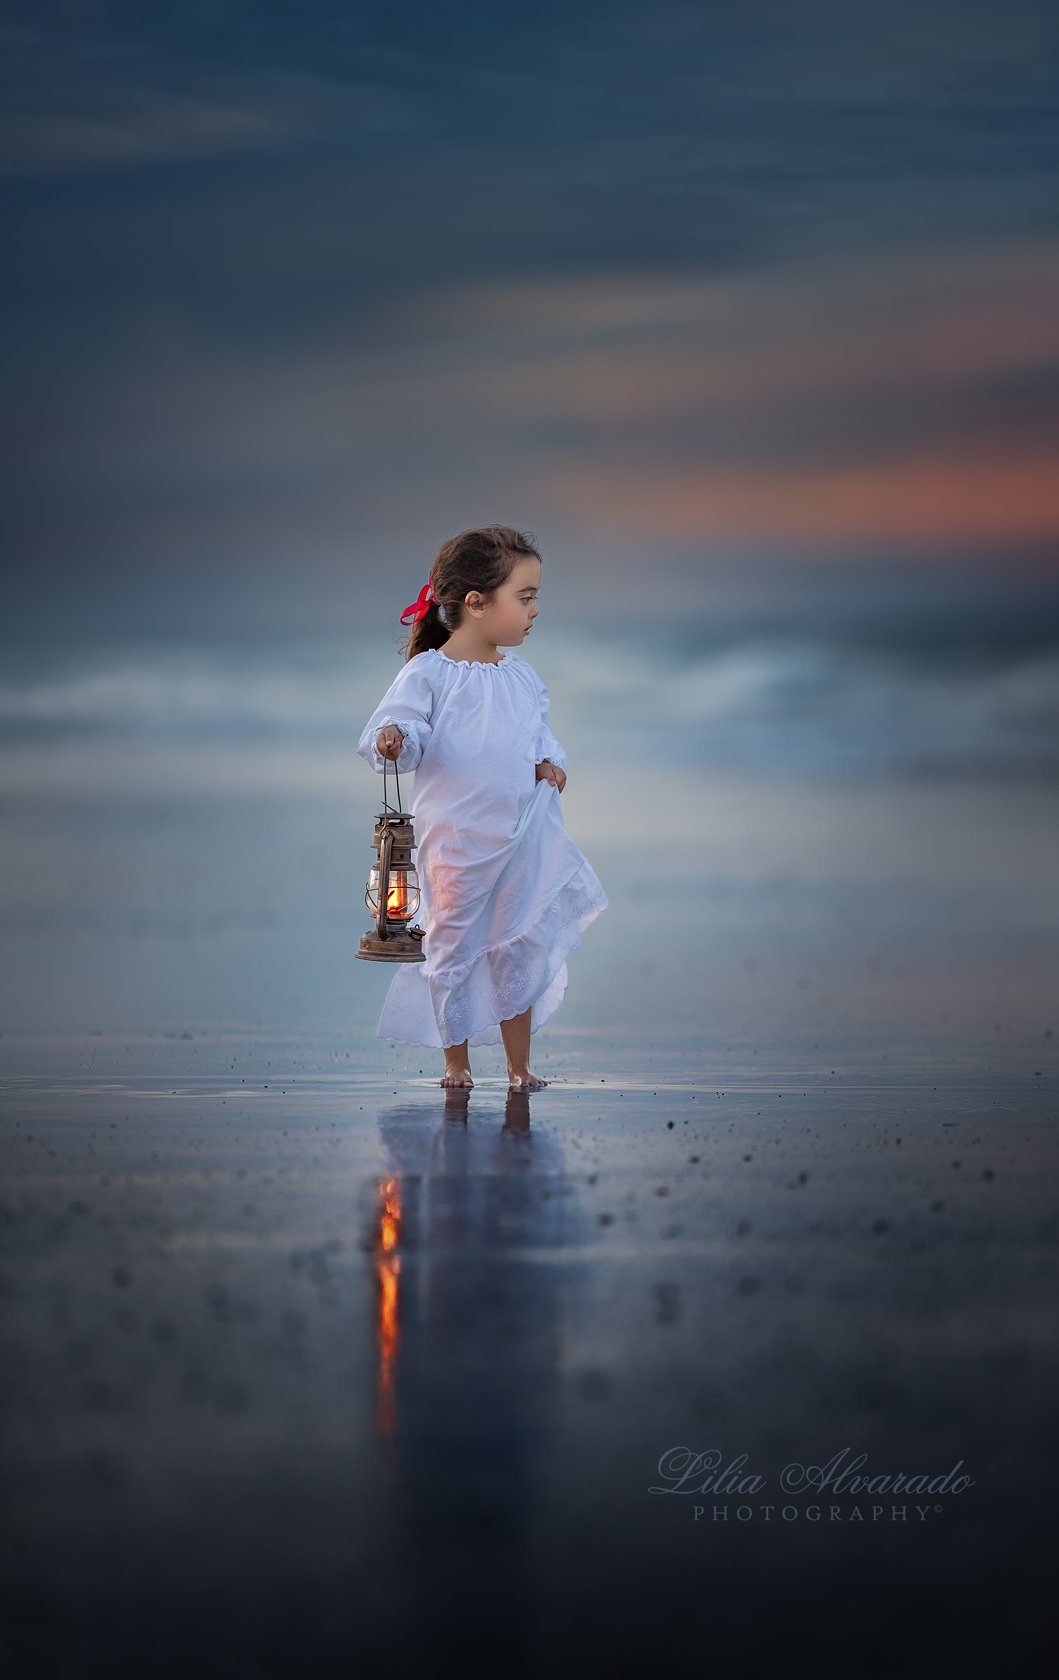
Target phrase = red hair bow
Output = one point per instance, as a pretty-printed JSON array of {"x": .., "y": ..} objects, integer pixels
[{"x": 419, "y": 605}]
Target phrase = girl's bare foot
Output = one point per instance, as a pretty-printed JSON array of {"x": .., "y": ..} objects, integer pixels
[
  {"x": 521, "y": 1079},
  {"x": 457, "y": 1075}
]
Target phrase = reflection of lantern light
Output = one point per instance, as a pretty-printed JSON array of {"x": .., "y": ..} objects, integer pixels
[{"x": 387, "y": 1272}]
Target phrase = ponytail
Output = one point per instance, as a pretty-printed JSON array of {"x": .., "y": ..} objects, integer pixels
[{"x": 430, "y": 631}]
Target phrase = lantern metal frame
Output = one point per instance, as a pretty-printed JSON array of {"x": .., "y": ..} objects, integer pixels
[{"x": 392, "y": 939}]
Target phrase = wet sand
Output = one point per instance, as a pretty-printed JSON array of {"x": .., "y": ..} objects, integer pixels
[
  {"x": 315, "y": 1368},
  {"x": 308, "y": 1368}
]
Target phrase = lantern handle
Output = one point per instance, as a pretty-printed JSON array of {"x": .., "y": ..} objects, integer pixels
[{"x": 385, "y": 802}]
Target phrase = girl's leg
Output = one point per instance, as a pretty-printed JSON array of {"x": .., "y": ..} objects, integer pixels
[
  {"x": 516, "y": 1036},
  {"x": 457, "y": 1065}
]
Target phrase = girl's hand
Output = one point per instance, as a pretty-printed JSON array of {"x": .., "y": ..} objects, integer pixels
[
  {"x": 549, "y": 772},
  {"x": 389, "y": 741}
]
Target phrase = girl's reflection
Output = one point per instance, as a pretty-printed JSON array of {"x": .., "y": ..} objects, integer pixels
[{"x": 471, "y": 1302}]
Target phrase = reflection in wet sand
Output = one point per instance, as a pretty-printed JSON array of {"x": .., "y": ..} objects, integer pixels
[
  {"x": 387, "y": 1274},
  {"x": 469, "y": 1336}
]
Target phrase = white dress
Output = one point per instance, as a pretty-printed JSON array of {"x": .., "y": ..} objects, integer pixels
[{"x": 505, "y": 893}]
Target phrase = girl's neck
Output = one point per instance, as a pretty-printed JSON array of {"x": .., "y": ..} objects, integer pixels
[{"x": 456, "y": 649}]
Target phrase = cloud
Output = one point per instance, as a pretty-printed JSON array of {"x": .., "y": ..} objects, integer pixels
[
  {"x": 151, "y": 130},
  {"x": 936, "y": 502},
  {"x": 284, "y": 301},
  {"x": 891, "y": 397}
]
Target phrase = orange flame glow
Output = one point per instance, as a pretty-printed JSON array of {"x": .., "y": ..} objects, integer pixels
[
  {"x": 397, "y": 900},
  {"x": 387, "y": 1274}
]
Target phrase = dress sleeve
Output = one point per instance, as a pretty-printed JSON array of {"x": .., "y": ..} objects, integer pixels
[
  {"x": 547, "y": 746},
  {"x": 409, "y": 703}
]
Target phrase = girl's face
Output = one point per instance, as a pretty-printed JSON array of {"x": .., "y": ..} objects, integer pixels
[{"x": 507, "y": 618}]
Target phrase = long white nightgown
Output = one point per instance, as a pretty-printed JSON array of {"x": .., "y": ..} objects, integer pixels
[{"x": 505, "y": 893}]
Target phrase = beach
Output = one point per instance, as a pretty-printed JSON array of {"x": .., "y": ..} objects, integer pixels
[
  {"x": 301, "y": 1363},
  {"x": 312, "y": 1365},
  {"x": 709, "y": 357}
]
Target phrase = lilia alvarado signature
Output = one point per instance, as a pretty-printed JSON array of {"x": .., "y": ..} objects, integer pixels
[{"x": 682, "y": 1470}]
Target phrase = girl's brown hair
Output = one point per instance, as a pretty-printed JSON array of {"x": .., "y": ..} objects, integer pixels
[{"x": 480, "y": 559}]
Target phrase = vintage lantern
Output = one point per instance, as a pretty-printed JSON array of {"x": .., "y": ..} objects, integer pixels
[{"x": 392, "y": 892}]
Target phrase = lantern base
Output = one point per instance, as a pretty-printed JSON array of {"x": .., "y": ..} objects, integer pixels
[{"x": 400, "y": 946}]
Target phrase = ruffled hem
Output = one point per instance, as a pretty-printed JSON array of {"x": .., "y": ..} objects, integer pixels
[
  {"x": 543, "y": 1010},
  {"x": 505, "y": 980},
  {"x": 509, "y": 978}
]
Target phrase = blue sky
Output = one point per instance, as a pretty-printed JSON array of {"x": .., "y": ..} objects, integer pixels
[{"x": 710, "y": 298}]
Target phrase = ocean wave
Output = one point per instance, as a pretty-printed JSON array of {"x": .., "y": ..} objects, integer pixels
[{"x": 757, "y": 702}]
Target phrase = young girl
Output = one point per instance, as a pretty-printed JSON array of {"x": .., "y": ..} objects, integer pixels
[{"x": 505, "y": 893}]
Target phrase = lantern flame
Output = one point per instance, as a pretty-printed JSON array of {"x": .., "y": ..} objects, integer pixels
[{"x": 397, "y": 900}]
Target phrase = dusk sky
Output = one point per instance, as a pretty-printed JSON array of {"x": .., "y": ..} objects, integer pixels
[{"x": 699, "y": 294}]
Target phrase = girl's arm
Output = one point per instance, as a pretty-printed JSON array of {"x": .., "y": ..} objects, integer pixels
[
  {"x": 409, "y": 704},
  {"x": 547, "y": 746}
]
